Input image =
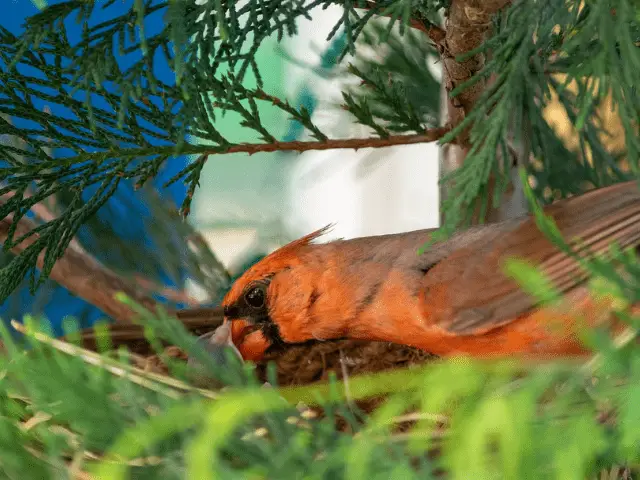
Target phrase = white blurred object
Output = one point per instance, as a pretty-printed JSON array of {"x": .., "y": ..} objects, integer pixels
[
  {"x": 364, "y": 192},
  {"x": 400, "y": 193},
  {"x": 230, "y": 244}
]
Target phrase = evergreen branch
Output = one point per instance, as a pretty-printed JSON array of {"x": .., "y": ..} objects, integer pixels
[
  {"x": 78, "y": 164},
  {"x": 396, "y": 109},
  {"x": 403, "y": 13},
  {"x": 511, "y": 89},
  {"x": 93, "y": 63},
  {"x": 396, "y": 88},
  {"x": 193, "y": 181},
  {"x": 362, "y": 111},
  {"x": 302, "y": 115}
]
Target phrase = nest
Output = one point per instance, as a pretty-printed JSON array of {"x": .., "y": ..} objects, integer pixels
[
  {"x": 295, "y": 365},
  {"x": 312, "y": 362},
  {"x": 304, "y": 364}
]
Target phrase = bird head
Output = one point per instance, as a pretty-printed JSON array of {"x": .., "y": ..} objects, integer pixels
[{"x": 268, "y": 305}]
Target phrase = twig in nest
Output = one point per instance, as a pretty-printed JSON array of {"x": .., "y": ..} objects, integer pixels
[
  {"x": 345, "y": 379},
  {"x": 416, "y": 416},
  {"x": 627, "y": 336}
]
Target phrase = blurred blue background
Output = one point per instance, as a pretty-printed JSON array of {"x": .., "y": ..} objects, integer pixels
[{"x": 122, "y": 214}]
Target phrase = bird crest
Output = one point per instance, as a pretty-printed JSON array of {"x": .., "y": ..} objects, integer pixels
[{"x": 284, "y": 257}]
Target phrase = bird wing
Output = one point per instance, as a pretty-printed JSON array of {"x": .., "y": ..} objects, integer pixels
[{"x": 479, "y": 296}]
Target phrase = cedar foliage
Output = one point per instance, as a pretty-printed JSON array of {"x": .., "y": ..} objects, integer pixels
[{"x": 70, "y": 413}]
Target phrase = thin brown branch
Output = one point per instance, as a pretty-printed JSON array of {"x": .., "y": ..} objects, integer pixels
[
  {"x": 176, "y": 295},
  {"x": 430, "y": 135},
  {"x": 81, "y": 274}
]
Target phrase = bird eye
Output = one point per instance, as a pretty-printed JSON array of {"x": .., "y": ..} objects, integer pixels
[{"x": 255, "y": 297}]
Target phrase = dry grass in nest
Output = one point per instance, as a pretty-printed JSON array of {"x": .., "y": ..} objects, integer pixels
[{"x": 310, "y": 363}]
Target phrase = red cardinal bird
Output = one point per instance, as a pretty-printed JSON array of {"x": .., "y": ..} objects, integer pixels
[{"x": 453, "y": 299}]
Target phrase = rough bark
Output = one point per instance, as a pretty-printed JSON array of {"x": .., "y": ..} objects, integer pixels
[{"x": 467, "y": 26}]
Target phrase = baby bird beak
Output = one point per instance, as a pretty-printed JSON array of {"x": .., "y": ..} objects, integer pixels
[
  {"x": 217, "y": 344},
  {"x": 217, "y": 340},
  {"x": 251, "y": 343}
]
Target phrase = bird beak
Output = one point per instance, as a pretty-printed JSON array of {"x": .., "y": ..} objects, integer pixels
[{"x": 251, "y": 344}]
